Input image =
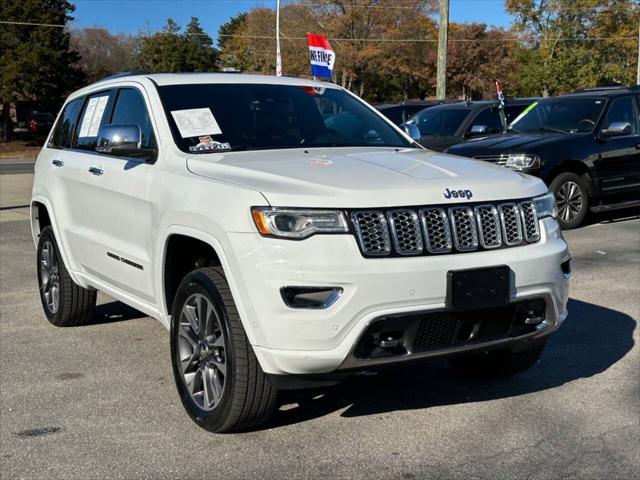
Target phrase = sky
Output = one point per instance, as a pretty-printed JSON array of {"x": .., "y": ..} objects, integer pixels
[{"x": 131, "y": 16}]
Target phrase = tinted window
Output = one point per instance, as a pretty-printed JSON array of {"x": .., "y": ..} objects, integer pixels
[
  {"x": 130, "y": 109},
  {"x": 623, "y": 110},
  {"x": 489, "y": 118},
  {"x": 63, "y": 133},
  {"x": 92, "y": 117},
  {"x": 570, "y": 115},
  {"x": 512, "y": 111},
  {"x": 393, "y": 114},
  {"x": 439, "y": 122},
  {"x": 259, "y": 116}
]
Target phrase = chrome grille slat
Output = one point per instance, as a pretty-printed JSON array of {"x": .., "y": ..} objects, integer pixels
[
  {"x": 497, "y": 159},
  {"x": 489, "y": 231},
  {"x": 372, "y": 231},
  {"x": 437, "y": 231},
  {"x": 405, "y": 231},
  {"x": 511, "y": 223},
  {"x": 463, "y": 226},
  {"x": 529, "y": 218},
  {"x": 440, "y": 230}
]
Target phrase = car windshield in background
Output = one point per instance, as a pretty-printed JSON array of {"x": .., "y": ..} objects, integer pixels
[
  {"x": 215, "y": 117},
  {"x": 439, "y": 122},
  {"x": 563, "y": 115}
]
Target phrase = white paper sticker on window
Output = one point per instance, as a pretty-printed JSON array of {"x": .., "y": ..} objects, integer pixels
[
  {"x": 196, "y": 122},
  {"x": 93, "y": 116}
]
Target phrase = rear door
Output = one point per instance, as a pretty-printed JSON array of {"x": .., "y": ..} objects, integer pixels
[
  {"x": 618, "y": 166},
  {"x": 116, "y": 220},
  {"x": 55, "y": 164}
]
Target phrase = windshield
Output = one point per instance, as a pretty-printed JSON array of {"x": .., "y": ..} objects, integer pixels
[
  {"x": 439, "y": 122},
  {"x": 565, "y": 115},
  {"x": 214, "y": 117}
]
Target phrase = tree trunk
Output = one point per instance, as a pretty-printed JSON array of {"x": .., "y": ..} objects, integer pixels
[{"x": 7, "y": 127}]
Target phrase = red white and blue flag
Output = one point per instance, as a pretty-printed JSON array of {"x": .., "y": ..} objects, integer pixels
[
  {"x": 321, "y": 55},
  {"x": 500, "y": 94}
]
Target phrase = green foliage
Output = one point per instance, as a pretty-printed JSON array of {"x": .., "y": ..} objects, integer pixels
[
  {"x": 172, "y": 51},
  {"x": 36, "y": 63}
]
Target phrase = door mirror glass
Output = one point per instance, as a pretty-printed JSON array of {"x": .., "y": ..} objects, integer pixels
[
  {"x": 478, "y": 130},
  {"x": 411, "y": 130},
  {"x": 123, "y": 141},
  {"x": 616, "y": 129}
]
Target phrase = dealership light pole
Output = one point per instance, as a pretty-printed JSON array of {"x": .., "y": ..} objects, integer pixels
[
  {"x": 278, "y": 57},
  {"x": 441, "y": 75}
]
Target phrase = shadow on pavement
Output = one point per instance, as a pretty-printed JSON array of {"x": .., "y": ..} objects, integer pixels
[
  {"x": 614, "y": 216},
  {"x": 591, "y": 340},
  {"x": 113, "y": 312}
]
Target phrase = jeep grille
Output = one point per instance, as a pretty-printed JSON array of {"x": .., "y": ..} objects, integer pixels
[{"x": 438, "y": 230}]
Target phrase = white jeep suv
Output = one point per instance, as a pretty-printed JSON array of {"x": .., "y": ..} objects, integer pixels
[{"x": 288, "y": 235}]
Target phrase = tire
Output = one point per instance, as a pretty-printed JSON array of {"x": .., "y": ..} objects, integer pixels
[
  {"x": 503, "y": 363},
  {"x": 237, "y": 395},
  {"x": 65, "y": 303},
  {"x": 572, "y": 197}
]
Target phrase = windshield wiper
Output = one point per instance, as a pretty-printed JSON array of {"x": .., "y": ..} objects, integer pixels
[{"x": 548, "y": 129}]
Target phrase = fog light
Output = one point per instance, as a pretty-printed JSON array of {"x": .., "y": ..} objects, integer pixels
[{"x": 310, "y": 297}]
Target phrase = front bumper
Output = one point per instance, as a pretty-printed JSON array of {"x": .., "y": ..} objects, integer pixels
[{"x": 297, "y": 341}]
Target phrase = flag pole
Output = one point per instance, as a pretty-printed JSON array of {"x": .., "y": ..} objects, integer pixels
[{"x": 278, "y": 57}]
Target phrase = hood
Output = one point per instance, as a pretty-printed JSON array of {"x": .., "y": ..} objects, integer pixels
[
  {"x": 507, "y": 143},
  {"x": 363, "y": 177}
]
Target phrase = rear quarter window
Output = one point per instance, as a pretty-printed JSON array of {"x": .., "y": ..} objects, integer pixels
[{"x": 62, "y": 136}]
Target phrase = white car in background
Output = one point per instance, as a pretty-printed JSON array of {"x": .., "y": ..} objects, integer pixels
[{"x": 288, "y": 235}]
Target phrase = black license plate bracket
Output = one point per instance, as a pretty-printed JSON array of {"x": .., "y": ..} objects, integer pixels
[{"x": 478, "y": 288}]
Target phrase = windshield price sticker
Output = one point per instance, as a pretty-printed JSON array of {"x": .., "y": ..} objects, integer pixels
[
  {"x": 93, "y": 116},
  {"x": 196, "y": 122}
]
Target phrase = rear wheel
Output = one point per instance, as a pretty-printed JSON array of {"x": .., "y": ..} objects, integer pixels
[
  {"x": 572, "y": 198},
  {"x": 219, "y": 379},
  {"x": 498, "y": 362},
  {"x": 64, "y": 302}
]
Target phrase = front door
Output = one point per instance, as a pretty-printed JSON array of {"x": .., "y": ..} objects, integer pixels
[
  {"x": 117, "y": 214},
  {"x": 618, "y": 166}
]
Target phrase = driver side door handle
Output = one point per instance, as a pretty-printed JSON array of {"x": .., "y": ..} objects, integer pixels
[{"x": 96, "y": 171}]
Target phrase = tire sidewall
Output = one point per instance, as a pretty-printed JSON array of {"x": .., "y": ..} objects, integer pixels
[
  {"x": 198, "y": 282},
  {"x": 47, "y": 235},
  {"x": 582, "y": 183}
]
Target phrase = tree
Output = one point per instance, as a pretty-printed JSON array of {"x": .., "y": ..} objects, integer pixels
[
  {"x": 474, "y": 65},
  {"x": 103, "y": 54},
  {"x": 575, "y": 43},
  {"x": 36, "y": 63},
  {"x": 172, "y": 51}
]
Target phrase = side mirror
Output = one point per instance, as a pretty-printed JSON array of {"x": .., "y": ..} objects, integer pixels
[
  {"x": 411, "y": 130},
  {"x": 616, "y": 129},
  {"x": 123, "y": 141},
  {"x": 478, "y": 130}
]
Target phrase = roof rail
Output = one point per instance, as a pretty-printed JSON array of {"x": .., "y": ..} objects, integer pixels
[
  {"x": 605, "y": 88},
  {"x": 124, "y": 74}
]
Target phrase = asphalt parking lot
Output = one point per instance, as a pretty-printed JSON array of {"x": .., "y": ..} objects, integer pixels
[{"x": 98, "y": 401}]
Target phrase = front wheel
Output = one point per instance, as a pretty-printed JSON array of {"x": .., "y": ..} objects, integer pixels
[
  {"x": 572, "y": 199},
  {"x": 219, "y": 379}
]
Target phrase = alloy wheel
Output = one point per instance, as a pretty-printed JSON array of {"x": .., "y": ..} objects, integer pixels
[
  {"x": 202, "y": 351},
  {"x": 50, "y": 277},
  {"x": 569, "y": 199}
]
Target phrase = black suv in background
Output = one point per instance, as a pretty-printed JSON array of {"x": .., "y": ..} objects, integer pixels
[
  {"x": 448, "y": 124},
  {"x": 585, "y": 146},
  {"x": 399, "y": 113}
]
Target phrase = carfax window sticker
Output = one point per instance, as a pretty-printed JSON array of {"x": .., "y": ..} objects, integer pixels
[{"x": 207, "y": 144}]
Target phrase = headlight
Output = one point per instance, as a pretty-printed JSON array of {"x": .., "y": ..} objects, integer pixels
[
  {"x": 297, "y": 223},
  {"x": 546, "y": 205},
  {"x": 522, "y": 161}
]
